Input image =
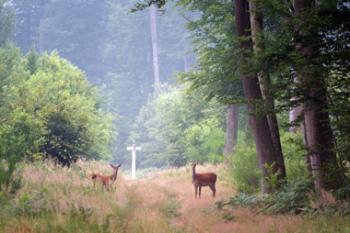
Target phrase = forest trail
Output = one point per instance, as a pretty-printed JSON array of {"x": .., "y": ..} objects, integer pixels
[
  {"x": 55, "y": 199},
  {"x": 168, "y": 198},
  {"x": 173, "y": 192}
]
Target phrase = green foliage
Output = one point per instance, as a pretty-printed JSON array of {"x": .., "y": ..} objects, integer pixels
[
  {"x": 242, "y": 199},
  {"x": 272, "y": 178},
  {"x": 171, "y": 207},
  {"x": 175, "y": 127},
  {"x": 111, "y": 45},
  {"x": 213, "y": 36},
  {"x": 48, "y": 109},
  {"x": 293, "y": 198},
  {"x": 243, "y": 165},
  {"x": 338, "y": 88},
  {"x": 204, "y": 141},
  {"x": 243, "y": 169},
  {"x": 294, "y": 156},
  {"x": 128, "y": 46}
]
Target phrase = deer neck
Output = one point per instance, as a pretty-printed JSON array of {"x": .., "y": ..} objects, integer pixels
[
  {"x": 114, "y": 176},
  {"x": 193, "y": 173}
]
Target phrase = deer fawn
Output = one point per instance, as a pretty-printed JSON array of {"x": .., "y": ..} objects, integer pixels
[
  {"x": 203, "y": 179},
  {"x": 107, "y": 181}
]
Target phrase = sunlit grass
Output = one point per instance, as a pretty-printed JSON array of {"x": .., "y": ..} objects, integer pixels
[{"x": 55, "y": 199}]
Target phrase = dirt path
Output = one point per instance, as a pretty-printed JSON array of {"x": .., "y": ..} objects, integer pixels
[
  {"x": 166, "y": 203},
  {"x": 174, "y": 195}
]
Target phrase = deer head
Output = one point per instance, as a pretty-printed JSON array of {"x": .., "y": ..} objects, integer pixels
[{"x": 115, "y": 171}]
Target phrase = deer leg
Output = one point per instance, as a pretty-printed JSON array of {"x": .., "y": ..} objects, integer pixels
[
  {"x": 195, "y": 191},
  {"x": 200, "y": 191},
  {"x": 108, "y": 186},
  {"x": 212, "y": 187}
]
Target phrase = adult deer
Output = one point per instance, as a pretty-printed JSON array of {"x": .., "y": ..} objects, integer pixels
[
  {"x": 203, "y": 179},
  {"x": 107, "y": 181}
]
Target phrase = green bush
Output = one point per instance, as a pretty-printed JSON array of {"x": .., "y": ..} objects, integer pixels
[
  {"x": 294, "y": 198},
  {"x": 204, "y": 142},
  {"x": 294, "y": 156},
  {"x": 175, "y": 127},
  {"x": 243, "y": 169},
  {"x": 48, "y": 109}
]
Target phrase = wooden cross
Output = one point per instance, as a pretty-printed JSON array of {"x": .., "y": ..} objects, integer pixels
[{"x": 133, "y": 149}]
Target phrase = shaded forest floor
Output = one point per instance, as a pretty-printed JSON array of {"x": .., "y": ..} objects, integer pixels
[{"x": 63, "y": 200}]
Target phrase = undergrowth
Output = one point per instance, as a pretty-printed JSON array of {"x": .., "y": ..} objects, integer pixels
[{"x": 295, "y": 197}]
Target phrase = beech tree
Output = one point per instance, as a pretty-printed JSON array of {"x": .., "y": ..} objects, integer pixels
[
  {"x": 231, "y": 128},
  {"x": 318, "y": 132},
  {"x": 252, "y": 93},
  {"x": 256, "y": 20}
]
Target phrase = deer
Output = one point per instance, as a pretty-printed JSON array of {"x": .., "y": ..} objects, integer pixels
[
  {"x": 203, "y": 179},
  {"x": 107, "y": 181}
]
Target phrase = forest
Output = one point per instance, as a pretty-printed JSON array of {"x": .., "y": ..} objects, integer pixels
[{"x": 254, "y": 94}]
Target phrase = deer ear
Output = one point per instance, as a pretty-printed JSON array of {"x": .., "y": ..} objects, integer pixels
[
  {"x": 112, "y": 165},
  {"x": 119, "y": 165}
]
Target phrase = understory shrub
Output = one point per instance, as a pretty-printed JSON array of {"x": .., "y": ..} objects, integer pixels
[
  {"x": 293, "y": 198},
  {"x": 294, "y": 155},
  {"x": 242, "y": 168}
]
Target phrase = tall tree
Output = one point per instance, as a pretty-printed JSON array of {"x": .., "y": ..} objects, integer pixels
[
  {"x": 154, "y": 40},
  {"x": 259, "y": 123},
  {"x": 231, "y": 128},
  {"x": 256, "y": 20},
  {"x": 6, "y": 22},
  {"x": 216, "y": 69},
  {"x": 29, "y": 15},
  {"x": 319, "y": 136}
]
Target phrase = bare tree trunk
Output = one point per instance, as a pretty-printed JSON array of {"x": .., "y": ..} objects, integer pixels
[
  {"x": 319, "y": 137},
  {"x": 294, "y": 115},
  {"x": 252, "y": 93},
  {"x": 153, "y": 20},
  {"x": 186, "y": 65},
  {"x": 231, "y": 129},
  {"x": 256, "y": 21}
]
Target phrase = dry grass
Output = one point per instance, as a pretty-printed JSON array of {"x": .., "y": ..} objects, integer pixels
[{"x": 55, "y": 199}]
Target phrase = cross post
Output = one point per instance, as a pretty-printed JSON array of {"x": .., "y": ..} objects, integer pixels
[{"x": 133, "y": 148}]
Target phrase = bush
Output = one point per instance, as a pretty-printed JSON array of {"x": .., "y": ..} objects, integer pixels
[
  {"x": 19, "y": 137},
  {"x": 293, "y": 198},
  {"x": 243, "y": 169},
  {"x": 48, "y": 109},
  {"x": 204, "y": 142},
  {"x": 294, "y": 156}
]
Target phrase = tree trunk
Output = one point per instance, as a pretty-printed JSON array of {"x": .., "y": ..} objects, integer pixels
[
  {"x": 319, "y": 137},
  {"x": 186, "y": 65},
  {"x": 252, "y": 93},
  {"x": 256, "y": 21},
  {"x": 153, "y": 20},
  {"x": 231, "y": 129}
]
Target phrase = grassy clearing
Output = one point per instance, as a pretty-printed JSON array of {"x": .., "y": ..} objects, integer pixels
[
  {"x": 54, "y": 199},
  {"x": 58, "y": 200}
]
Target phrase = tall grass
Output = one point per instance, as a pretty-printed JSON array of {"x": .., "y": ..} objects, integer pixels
[
  {"x": 62, "y": 200},
  {"x": 56, "y": 199}
]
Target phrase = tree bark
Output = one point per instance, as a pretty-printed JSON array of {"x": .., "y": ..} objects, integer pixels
[
  {"x": 319, "y": 137},
  {"x": 231, "y": 129},
  {"x": 154, "y": 39},
  {"x": 252, "y": 93},
  {"x": 256, "y": 20}
]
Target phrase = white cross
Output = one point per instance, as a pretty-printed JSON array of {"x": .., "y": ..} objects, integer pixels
[{"x": 133, "y": 149}]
